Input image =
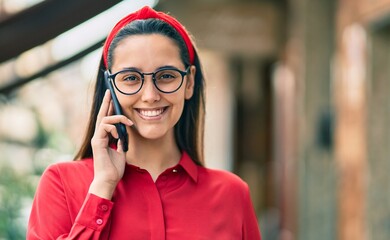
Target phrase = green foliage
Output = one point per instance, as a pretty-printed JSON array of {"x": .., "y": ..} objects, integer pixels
[{"x": 16, "y": 193}]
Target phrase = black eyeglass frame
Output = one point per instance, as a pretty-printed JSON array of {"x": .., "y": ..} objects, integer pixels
[{"x": 182, "y": 73}]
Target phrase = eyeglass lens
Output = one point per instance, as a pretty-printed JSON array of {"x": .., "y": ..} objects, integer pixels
[{"x": 166, "y": 80}]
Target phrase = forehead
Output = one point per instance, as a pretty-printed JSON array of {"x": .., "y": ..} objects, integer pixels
[{"x": 146, "y": 51}]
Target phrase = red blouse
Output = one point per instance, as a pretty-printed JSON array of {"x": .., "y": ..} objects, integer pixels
[{"x": 186, "y": 202}]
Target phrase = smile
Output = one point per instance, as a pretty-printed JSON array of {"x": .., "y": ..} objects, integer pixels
[{"x": 151, "y": 113}]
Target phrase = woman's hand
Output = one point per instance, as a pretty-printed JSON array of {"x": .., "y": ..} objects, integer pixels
[{"x": 109, "y": 164}]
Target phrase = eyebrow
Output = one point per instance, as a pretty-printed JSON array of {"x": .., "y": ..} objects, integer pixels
[{"x": 157, "y": 69}]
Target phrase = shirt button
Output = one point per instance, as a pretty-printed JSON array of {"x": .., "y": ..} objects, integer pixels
[
  {"x": 174, "y": 170},
  {"x": 104, "y": 207},
  {"x": 99, "y": 221}
]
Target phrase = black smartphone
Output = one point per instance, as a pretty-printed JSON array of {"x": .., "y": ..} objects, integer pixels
[{"x": 121, "y": 128}]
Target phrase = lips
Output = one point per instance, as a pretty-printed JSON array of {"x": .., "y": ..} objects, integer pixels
[{"x": 151, "y": 113}]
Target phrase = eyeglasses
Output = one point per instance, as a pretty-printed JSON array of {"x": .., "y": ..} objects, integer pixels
[{"x": 166, "y": 80}]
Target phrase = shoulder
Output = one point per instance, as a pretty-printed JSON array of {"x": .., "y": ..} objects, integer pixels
[
  {"x": 70, "y": 167},
  {"x": 68, "y": 173},
  {"x": 225, "y": 187},
  {"x": 222, "y": 179}
]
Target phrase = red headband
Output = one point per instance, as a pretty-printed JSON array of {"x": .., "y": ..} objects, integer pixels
[{"x": 146, "y": 13}]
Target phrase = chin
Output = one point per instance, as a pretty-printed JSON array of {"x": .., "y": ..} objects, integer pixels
[{"x": 152, "y": 134}]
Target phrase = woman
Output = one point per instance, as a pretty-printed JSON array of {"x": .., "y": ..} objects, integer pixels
[{"x": 158, "y": 189}]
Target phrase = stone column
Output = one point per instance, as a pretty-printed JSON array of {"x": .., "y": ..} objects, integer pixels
[{"x": 350, "y": 87}]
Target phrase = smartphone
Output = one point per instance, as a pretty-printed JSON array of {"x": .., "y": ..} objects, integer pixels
[{"x": 121, "y": 128}]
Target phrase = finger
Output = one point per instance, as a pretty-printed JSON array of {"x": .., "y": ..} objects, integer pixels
[
  {"x": 119, "y": 146},
  {"x": 105, "y": 130},
  {"x": 111, "y": 108},
  {"x": 117, "y": 119},
  {"x": 103, "y": 111},
  {"x": 107, "y": 126},
  {"x": 111, "y": 129}
]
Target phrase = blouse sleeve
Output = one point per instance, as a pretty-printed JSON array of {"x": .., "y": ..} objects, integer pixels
[
  {"x": 50, "y": 217},
  {"x": 250, "y": 227}
]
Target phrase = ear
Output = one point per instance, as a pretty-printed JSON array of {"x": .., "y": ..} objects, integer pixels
[{"x": 189, "y": 91}]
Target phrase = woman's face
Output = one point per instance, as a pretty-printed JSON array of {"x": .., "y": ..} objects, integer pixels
[{"x": 154, "y": 113}]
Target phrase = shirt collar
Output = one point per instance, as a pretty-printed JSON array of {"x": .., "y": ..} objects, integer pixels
[{"x": 189, "y": 166}]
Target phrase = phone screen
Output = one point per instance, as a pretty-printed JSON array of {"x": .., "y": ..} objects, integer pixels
[{"x": 121, "y": 128}]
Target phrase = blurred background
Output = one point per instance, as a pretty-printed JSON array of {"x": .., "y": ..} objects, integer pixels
[{"x": 296, "y": 103}]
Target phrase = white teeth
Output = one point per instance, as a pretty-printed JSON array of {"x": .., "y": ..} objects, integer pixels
[{"x": 151, "y": 113}]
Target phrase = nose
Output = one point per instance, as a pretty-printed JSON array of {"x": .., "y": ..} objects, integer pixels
[{"x": 149, "y": 92}]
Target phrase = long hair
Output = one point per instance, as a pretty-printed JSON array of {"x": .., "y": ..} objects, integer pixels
[{"x": 189, "y": 130}]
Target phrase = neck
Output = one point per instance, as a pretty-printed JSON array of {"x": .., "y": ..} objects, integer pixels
[{"x": 154, "y": 155}]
